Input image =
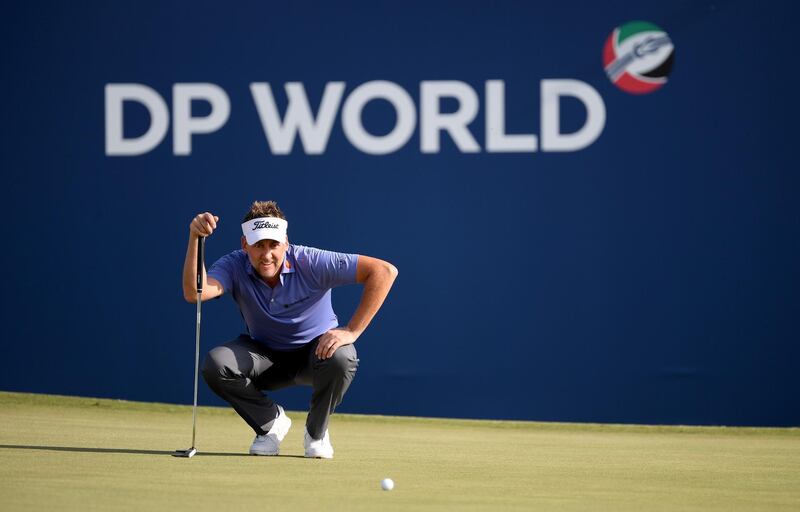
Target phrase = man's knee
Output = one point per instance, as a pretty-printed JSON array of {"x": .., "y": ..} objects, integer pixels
[
  {"x": 344, "y": 361},
  {"x": 217, "y": 364}
]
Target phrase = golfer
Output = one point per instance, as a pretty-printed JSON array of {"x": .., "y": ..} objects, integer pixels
[{"x": 293, "y": 336}]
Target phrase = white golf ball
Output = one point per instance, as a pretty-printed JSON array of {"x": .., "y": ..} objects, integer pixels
[{"x": 387, "y": 484}]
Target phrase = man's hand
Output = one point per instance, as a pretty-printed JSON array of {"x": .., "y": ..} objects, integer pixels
[
  {"x": 333, "y": 339},
  {"x": 377, "y": 277},
  {"x": 203, "y": 225}
]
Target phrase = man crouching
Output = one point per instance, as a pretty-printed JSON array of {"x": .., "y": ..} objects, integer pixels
[{"x": 293, "y": 337}]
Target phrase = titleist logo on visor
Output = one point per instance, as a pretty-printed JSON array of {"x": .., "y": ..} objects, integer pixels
[{"x": 264, "y": 224}]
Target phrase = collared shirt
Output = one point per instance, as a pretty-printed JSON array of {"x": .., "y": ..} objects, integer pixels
[{"x": 299, "y": 308}]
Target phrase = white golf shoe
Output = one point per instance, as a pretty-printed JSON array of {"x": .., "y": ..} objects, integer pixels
[
  {"x": 270, "y": 443},
  {"x": 318, "y": 448}
]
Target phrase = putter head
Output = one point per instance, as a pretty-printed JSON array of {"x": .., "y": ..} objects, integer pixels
[{"x": 189, "y": 452}]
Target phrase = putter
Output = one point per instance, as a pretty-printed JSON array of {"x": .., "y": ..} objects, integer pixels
[{"x": 189, "y": 452}]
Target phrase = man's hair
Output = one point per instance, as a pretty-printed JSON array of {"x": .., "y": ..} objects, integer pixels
[{"x": 263, "y": 209}]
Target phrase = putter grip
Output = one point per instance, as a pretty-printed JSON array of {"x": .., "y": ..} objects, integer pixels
[{"x": 201, "y": 244}]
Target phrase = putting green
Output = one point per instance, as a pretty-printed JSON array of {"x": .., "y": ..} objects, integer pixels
[{"x": 66, "y": 453}]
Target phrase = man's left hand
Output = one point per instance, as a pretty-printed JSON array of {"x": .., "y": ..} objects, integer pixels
[{"x": 333, "y": 339}]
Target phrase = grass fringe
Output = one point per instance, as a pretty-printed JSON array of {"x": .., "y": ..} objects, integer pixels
[{"x": 10, "y": 399}]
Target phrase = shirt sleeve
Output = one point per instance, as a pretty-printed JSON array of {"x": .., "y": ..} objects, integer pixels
[
  {"x": 331, "y": 269},
  {"x": 223, "y": 271}
]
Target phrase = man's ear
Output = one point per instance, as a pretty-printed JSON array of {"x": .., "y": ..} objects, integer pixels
[{"x": 244, "y": 243}]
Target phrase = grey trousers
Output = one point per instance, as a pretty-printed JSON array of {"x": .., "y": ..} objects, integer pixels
[{"x": 242, "y": 369}]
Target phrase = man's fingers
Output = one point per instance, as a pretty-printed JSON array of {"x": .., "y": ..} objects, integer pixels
[
  {"x": 330, "y": 350},
  {"x": 210, "y": 221},
  {"x": 205, "y": 223},
  {"x": 326, "y": 346},
  {"x": 321, "y": 346},
  {"x": 330, "y": 342}
]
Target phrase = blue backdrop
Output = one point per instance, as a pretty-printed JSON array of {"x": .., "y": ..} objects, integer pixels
[{"x": 650, "y": 277}]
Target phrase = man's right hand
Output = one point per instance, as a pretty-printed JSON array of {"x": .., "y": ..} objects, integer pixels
[{"x": 203, "y": 225}]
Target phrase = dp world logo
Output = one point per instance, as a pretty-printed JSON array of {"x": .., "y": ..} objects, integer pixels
[{"x": 638, "y": 57}]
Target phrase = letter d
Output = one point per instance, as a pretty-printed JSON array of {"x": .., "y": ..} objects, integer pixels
[
  {"x": 552, "y": 138},
  {"x": 116, "y": 143}
]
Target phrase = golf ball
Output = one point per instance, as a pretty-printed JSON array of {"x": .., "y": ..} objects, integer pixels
[{"x": 387, "y": 484}]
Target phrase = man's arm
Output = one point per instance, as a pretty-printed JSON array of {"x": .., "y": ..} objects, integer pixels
[
  {"x": 202, "y": 225},
  {"x": 377, "y": 277}
]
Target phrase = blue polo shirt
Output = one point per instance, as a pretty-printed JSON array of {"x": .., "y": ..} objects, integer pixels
[{"x": 299, "y": 308}]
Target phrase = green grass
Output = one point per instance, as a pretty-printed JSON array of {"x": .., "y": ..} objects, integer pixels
[{"x": 66, "y": 453}]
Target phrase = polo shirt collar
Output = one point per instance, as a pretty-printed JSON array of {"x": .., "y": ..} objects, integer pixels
[{"x": 288, "y": 263}]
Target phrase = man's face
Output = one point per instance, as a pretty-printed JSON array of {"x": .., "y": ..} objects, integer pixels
[{"x": 266, "y": 256}]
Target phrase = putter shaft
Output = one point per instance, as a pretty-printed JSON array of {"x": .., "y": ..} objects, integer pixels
[
  {"x": 200, "y": 256},
  {"x": 196, "y": 366}
]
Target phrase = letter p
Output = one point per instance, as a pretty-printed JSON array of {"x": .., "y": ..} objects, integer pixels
[{"x": 184, "y": 125}]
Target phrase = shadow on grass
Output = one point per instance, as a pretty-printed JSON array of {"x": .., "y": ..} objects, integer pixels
[{"x": 126, "y": 451}]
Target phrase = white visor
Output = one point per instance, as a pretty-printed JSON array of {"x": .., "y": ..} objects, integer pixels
[{"x": 271, "y": 228}]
